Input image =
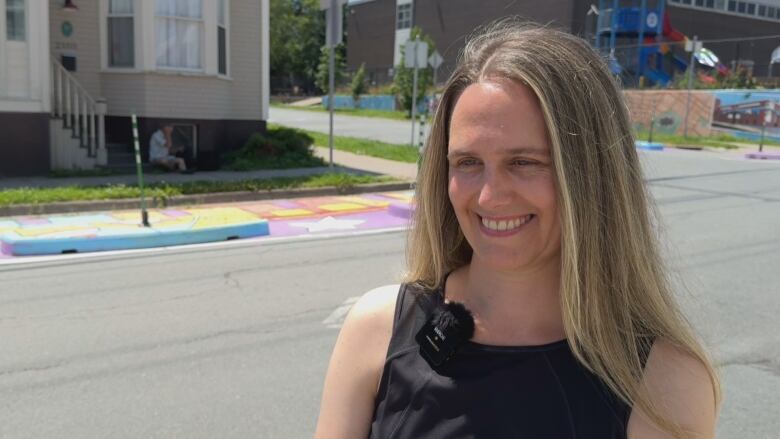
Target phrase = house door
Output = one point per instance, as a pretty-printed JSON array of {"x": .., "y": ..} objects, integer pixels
[{"x": 14, "y": 52}]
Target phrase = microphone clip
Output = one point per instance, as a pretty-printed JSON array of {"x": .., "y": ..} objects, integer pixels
[{"x": 450, "y": 325}]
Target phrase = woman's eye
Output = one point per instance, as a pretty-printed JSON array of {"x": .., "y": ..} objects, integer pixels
[
  {"x": 467, "y": 162},
  {"x": 522, "y": 162}
]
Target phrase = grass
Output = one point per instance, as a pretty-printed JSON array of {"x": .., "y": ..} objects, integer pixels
[
  {"x": 163, "y": 191},
  {"x": 674, "y": 139},
  {"x": 725, "y": 141},
  {"x": 372, "y": 148},
  {"x": 382, "y": 114}
]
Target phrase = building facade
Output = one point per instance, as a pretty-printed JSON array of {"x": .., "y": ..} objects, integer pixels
[
  {"x": 378, "y": 28},
  {"x": 73, "y": 72}
]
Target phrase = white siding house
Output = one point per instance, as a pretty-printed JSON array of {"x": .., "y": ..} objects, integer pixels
[{"x": 73, "y": 72}]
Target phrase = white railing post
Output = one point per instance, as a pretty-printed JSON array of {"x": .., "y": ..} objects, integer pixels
[
  {"x": 59, "y": 92},
  {"x": 80, "y": 113},
  {"x": 101, "y": 109}
]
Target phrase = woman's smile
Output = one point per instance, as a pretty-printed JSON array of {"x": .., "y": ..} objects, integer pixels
[{"x": 504, "y": 226}]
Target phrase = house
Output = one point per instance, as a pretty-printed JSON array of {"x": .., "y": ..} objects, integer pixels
[
  {"x": 72, "y": 72},
  {"x": 377, "y": 29}
]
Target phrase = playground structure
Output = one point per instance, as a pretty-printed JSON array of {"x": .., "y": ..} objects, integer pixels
[{"x": 640, "y": 41}]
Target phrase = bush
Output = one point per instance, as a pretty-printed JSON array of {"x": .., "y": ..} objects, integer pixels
[
  {"x": 358, "y": 86},
  {"x": 277, "y": 148}
]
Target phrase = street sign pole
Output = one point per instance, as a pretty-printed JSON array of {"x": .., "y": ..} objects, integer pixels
[
  {"x": 695, "y": 47},
  {"x": 331, "y": 85},
  {"x": 139, "y": 171},
  {"x": 333, "y": 38},
  {"x": 414, "y": 93}
]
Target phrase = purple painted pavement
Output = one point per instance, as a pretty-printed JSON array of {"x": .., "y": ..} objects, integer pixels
[
  {"x": 371, "y": 220},
  {"x": 763, "y": 155}
]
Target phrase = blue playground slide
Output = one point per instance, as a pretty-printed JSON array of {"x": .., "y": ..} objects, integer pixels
[{"x": 657, "y": 76}]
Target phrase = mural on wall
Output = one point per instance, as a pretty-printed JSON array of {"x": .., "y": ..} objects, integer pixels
[
  {"x": 740, "y": 113},
  {"x": 667, "y": 109},
  {"x": 745, "y": 113}
]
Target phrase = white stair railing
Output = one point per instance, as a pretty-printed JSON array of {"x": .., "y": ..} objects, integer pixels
[{"x": 79, "y": 111}]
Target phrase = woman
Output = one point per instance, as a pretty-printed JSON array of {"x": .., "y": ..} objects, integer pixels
[{"x": 531, "y": 212}]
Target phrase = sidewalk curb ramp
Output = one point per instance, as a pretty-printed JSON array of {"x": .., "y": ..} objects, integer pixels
[
  {"x": 142, "y": 237},
  {"x": 184, "y": 200}
]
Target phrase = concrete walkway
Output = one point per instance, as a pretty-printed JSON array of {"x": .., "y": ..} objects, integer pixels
[
  {"x": 407, "y": 171},
  {"x": 384, "y": 130}
]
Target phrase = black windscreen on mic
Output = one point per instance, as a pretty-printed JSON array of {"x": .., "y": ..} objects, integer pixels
[{"x": 449, "y": 327}]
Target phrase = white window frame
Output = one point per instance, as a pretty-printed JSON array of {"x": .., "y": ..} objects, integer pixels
[
  {"x": 26, "y": 14},
  {"x": 132, "y": 15},
  {"x": 226, "y": 26},
  {"x": 722, "y": 7},
  {"x": 138, "y": 30},
  {"x": 202, "y": 35},
  {"x": 406, "y": 5},
  {"x": 145, "y": 41}
]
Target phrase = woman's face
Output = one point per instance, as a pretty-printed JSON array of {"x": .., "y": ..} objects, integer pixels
[{"x": 501, "y": 177}]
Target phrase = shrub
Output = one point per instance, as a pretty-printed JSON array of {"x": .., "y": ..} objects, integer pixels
[
  {"x": 358, "y": 85},
  {"x": 277, "y": 148}
]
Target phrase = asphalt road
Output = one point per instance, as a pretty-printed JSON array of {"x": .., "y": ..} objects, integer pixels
[
  {"x": 385, "y": 130},
  {"x": 233, "y": 341}
]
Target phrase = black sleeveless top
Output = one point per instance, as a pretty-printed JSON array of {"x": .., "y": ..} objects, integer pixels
[{"x": 485, "y": 391}]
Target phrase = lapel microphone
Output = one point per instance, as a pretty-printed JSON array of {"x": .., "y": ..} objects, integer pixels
[{"x": 450, "y": 325}]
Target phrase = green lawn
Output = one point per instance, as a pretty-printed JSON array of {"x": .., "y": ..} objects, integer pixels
[
  {"x": 718, "y": 141},
  {"x": 373, "y": 148},
  {"x": 166, "y": 190}
]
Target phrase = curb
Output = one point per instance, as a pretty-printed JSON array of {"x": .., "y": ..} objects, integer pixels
[{"x": 197, "y": 199}]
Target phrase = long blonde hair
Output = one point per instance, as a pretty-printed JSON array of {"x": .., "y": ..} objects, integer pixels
[{"x": 615, "y": 294}]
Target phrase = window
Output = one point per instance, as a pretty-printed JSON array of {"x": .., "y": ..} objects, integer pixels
[
  {"x": 222, "y": 37},
  {"x": 179, "y": 33},
  {"x": 686, "y": 2},
  {"x": 762, "y": 10},
  {"x": 720, "y": 4},
  {"x": 404, "y": 17},
  {"x": 732, "y": 6},
  {"x": 751, "y": 9},
  {"x": 741, "y": 7},
  {"x": 771, "y": 12},
  {"x": 121, "y": 36},
  {"x": 15, "y": 20},
  {"x": 710, "y": 4}
]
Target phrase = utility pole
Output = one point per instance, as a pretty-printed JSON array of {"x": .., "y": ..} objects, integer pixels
[
  {"x": 333, "y": 37},
  {"x": 693, "y": 47},
  {"x": 414, "y": 88}
]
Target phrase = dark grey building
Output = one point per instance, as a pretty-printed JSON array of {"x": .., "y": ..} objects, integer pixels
[{"x": 378, "y": 28}]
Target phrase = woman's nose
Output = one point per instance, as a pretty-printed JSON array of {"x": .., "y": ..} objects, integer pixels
[{"x": 496, "y": 190}]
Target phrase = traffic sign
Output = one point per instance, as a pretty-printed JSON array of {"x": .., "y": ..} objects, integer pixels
[
  {"x": 334, "y": 19},
  {"x": 416, "y": 54},
  {"x": 435, "y": 59}
]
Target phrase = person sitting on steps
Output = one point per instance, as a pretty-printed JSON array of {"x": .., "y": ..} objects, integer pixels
[{"x": 162, "y": 151}]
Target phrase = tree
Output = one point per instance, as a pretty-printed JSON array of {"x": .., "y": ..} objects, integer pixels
[
  {"x": 403, "y": 81},
  {"x": 297, "y": 31},
  {"x": 323, "y": 69},
  {"x": 358, "y": 86}
]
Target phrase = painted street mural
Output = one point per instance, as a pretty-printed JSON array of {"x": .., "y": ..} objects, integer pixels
[{"x": 122, "y": 230}]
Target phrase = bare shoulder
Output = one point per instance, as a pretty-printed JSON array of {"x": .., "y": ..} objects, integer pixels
[
  {"x": 369, "y": 325},
  {"x": 375, "y": 308},
  {"x": 356, "y": 366},
  {"x": 680, "y": 386}
]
